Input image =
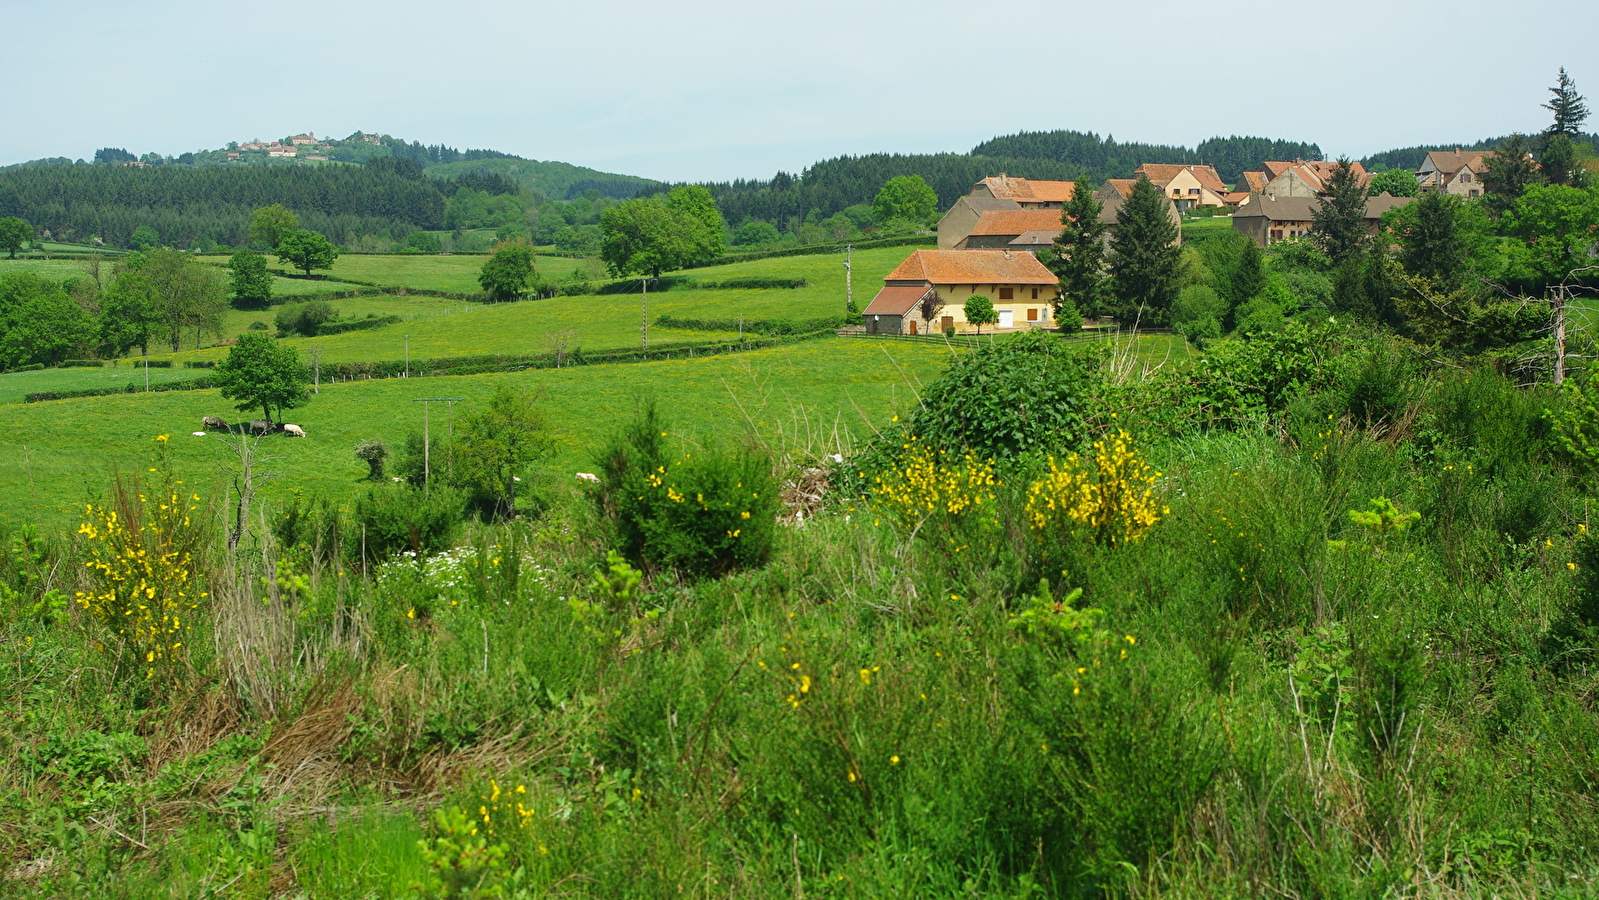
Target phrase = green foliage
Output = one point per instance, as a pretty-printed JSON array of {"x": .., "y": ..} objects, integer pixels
[
  {"x": 180, "y": 292},
  {"x": 1079, "y": 260},
  {"x": 1383, "y": 517},
  {"x": 1556, "y": 226},
  {"x": 1144, "y": 257},
  {"x": 39, "y": 322},
  {"x": 1026, "y": 395},
  {"x": 422, "y": 241},
  {"x": 303, "y": 319},
  {"x": 703, "y": 513},
  {"x": 373, "y": 453},
  {"x": 1198, "y": 314},
  {"x": 14, "y": 232},
  {"x": 508, "y": 271},
  {"x": 1397, "y": 182},
  {"x": 905, "y": 198},
  {"x": 1575, "y": 422},
  {"x": 979, "y": 311},
  {"x": 1509, "y": 172},
  {"x": 1338, "y": 223},
  {"x": 144, "y": 238},
  {"x": 262, "y": 372},
  {"x": 756, "y": 233},
  {"x": 495, "y": 449},
  {"x": 306, "y": 250},
  {"x": 269, "y": 225},
  {"x": 251, "y": 283},
  {"x": 1567, "y": 106},
  {"x": 655, "y": 235},
  {"x": 402, "y": 519}
]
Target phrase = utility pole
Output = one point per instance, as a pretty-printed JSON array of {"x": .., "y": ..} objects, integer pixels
[
  {"x": 427, "y": 441},
  {"x": 408, "y": 357},
  {"x": 644, "y": 304},
  {"x": 849, "y": 278}
]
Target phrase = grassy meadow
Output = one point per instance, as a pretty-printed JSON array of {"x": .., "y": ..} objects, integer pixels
[{"x": 817, "y": 394}]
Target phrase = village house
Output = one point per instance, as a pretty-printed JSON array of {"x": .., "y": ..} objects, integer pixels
[
  {"x": 962, "y": 217},
  {"x": 1267, "y": 220},
  {"x": 1115, "y": 192},
  {"x": 1026, "y": 193},
  {"x": 927, "y": 293},
  {"x": 1187, "y": 185},
  {"x": 1300, "y": 178},
  {"x": 1458, "y": 173},
  {"x": 278, "y": 150},
  {"x": 300, "y": 139}
]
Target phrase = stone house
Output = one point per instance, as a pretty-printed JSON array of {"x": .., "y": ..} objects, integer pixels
[
  {"x": 1267, "y": 220},
  {"x": 1458, "y": 173},
  {"x": 1026, "y": 193},
  {"x": 1300, "y": 178},
  {"x": 927, "y": 293}
]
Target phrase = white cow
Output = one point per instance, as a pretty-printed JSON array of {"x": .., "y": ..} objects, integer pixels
[
  {"x": 293, "y": 430},
  {"x": 590, "y": 477}
]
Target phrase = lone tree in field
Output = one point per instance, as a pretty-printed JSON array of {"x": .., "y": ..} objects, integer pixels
[
  {"x": 182, "y": 293},
  {"x": 306, "y": 250},
  {"x": 263, "y": 373},
  {"x": 509, "y": 272},
  {"x": 655, "y": 235},
  {"x": 495, "y": 447},
  {"x": 980, "y": 311},
  {"x": 269, "y": 224},
  {"x": 14, "y": 232},
  {"x": 1078, "y": 260},
  {"x": 1339, "y": 221},
  {"x": 1144, "y": 256},
  {"x": 907, "y": 199},
  {"x": 250, "y": 282}
]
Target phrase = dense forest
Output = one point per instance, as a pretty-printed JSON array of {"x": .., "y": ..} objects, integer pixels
[
  {"x": 1231, "y": 156},
  {"x": 1410, "y": 158}
]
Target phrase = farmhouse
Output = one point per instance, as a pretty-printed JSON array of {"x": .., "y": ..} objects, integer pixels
[
  {"x": 1300, "y": 178},
  {"x": 1026, "y": 193},
  {"x": 1187, "y": 185},
  {"x": 928, "y": 291},
  {"x": 1116, "y": 191},
  {"x": 1458, "y": 173},
  {"x": 1267, "y": 220}
]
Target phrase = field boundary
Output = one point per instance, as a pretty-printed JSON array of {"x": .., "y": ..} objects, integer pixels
[{"x": 478, "y": 365}]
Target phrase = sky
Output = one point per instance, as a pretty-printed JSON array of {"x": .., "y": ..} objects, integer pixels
[{"x": 713, "y": 90}]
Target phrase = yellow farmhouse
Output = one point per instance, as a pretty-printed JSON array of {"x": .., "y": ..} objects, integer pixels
[{"x": 927, "y": 294}]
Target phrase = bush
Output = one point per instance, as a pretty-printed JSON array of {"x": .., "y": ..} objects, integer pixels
[
  {"x": 392, "y": 519},
  {"x": 258, "y": 326},
  {"x": 82, "y": 363},
  {"x": 152, "y": 364},
  {"x": 373, "y": 453},
  {"x": 706, "y": 513},
  {"x": 304, "y": 319}
]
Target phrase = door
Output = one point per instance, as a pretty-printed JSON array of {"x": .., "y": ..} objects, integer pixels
[
  {"x": 913, "y": 326},
  {"x": 948, "y": 323},
  {"x": 1004, "y": 318}
]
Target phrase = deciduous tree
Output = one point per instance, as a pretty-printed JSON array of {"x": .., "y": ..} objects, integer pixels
[
  {"x": 251, "y": 283},
  {"x": 1145, "y": 256},
  {"x": 261, "y": 372},
  {"x": 183, "y": 293},
  {"x": 269, "y": 224},
  {"x": 39, "y": 322},
  {"x": 509, "y": 271},
  {"x": 980, "y": 311},
  {"x": 905, "y": 198},
  {"x": 14, "y": 232},
  {"x": 306, "y": 250},
  {"x": 496, "y": 446},
  {"x": 1397, "y": 182}
]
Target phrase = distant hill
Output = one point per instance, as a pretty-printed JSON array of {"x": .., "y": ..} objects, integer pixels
[
  {"x": 557, "y": 180},
  {"x": 1410, "y": 158}
]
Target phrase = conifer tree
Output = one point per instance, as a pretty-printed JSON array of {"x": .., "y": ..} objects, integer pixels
[
  {"x": 1144, "y": 256},
  {"x": 1339, "y": 222},
  {"x": 1567, "y": 105},
  {"x": 1509, "y": 171},
  {"x": 1078, "y": 260}
]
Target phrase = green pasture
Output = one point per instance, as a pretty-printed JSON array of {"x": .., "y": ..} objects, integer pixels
[
  {"x": 58, "y": 269},
  {"x": 815, "y": 396},
  {"x": 1206, "y": 226},
  {"x": 14, "y": 385}
]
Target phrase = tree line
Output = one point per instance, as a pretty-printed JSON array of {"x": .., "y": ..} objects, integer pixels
[{"x": 1106, "y": 158}]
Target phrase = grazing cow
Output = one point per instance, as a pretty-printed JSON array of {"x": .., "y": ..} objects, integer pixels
[
  {"x": 262, "y": 426},
  {"x": 212, "y": 423},
  {"x": 590, "y": 477},
  {"x": 293, "y": 430}
]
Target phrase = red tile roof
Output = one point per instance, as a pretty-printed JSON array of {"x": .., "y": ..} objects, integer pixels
[
  {"x": 1023, "y": 190},
  {"x": 1162, "y": 174},
  {"x": 972, "y": 267},
  {"x": 1123, "y": 186},
  {"x": 1450, "y": 163},
  {"x": 1001, "y": 221},
  {"x": 896, "y": 300}
]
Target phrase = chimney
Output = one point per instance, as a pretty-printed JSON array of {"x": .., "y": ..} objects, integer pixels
[
  {"x": 1007, "y": 254},
  {"x": 1457, "y": 151}
]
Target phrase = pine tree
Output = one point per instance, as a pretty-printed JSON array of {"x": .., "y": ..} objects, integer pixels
[
  {"x": 1509, "y": 171},
  {"x": 1567, "y": 105},
  {"x": 1339, "y": 222},
  {"x": 1430, "y": 243},
  {"x": 1079, "y": 260},
  {"x": 1144, "y": 256},
  {"x": 1560, "y": 163}
]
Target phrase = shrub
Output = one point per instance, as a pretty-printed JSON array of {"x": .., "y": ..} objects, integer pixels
[
  {"x": 304, "y": 319},
  {"x": 704, "y": 513},
  {"x": 938, "y": 495},
  {"x": 1112, "y": 498},
  {"x": 81, "y": 363},
  {"x": 392, "y": 519},
  {"x": 258, "y": 326},
  {"x": 373, "y": 452}
]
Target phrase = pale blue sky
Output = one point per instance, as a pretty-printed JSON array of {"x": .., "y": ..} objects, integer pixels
[{"x": 715, "y": 89}]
